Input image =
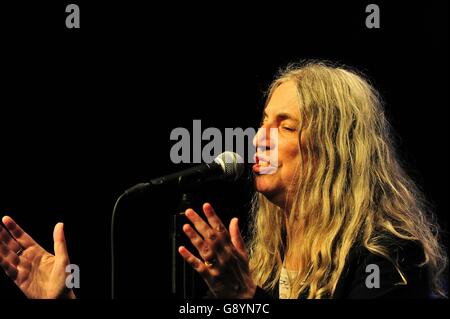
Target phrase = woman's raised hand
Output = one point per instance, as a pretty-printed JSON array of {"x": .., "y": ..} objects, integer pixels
[
  {"x": 224, "y": 259},
  {"x": 36, "y": 272}
]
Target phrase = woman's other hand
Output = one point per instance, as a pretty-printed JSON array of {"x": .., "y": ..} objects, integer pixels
[
  {"x": 35, "y": 271},
  {"x": 224, "y": 259}
]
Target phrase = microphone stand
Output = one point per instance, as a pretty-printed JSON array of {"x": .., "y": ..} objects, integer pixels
[{"x": 182, "y": 285}]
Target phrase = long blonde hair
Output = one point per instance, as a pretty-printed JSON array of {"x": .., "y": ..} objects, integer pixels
[{"x": 353, "y": 192}]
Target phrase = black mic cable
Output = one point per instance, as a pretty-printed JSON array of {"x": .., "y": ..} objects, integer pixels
[{"x": 138, "y": 187}]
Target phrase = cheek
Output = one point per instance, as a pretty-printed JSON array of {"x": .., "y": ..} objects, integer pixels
[
  {"x": 290, "y": 159},
  {"x": 289, "y": 152}
]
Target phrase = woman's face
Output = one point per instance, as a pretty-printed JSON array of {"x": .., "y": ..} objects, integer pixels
[{"x": 282, "y": 116}]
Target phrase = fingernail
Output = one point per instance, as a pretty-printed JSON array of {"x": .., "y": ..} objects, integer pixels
[{"x": 208, "y": 211}]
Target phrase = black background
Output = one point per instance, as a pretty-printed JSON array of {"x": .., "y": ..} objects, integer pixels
[{"x": 87, "y": 113}]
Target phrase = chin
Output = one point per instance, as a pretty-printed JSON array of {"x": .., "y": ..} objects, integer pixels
[
  {"x": 262, "y": 184},
  {"x": 265, "y": 184}
]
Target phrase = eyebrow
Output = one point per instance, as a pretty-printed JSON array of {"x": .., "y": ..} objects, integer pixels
[{"x": 283, "y": 116}]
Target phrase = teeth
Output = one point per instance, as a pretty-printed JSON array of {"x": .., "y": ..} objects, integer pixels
[{"x": 264, "y": 164}]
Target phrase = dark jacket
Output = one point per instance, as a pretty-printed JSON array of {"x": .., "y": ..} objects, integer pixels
[{"x": 352, "y": 283}]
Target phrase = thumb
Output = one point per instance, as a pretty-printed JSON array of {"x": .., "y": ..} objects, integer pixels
[
  {"x": 60, "y": 244},
  {"x": 236, "y": 237}
]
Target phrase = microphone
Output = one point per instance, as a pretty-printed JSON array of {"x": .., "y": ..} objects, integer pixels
[{"x": 227, "y": 166}]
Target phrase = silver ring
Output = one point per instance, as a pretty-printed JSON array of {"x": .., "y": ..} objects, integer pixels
[{"x": 19, "y": 252}]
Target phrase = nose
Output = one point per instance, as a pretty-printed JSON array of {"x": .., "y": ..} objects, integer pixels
[{"x": 265, "y": 138}]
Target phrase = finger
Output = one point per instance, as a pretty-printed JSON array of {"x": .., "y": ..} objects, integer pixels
[
  {"x": 8, "y": 254},
  {"x": 4, "y": 250},
  {"x": 201, "y": 226},
  {"x": 195, "y": 263},
  {"x": 9, "y": 269},
  {"x": 236, "y": 237},
  {"x": 6, "y": 238},
  {"x": 60, "y": 246},
  {"x": 204, "y": 249},
  {"x": 213, "y": 219},
  {"x": 22, "y": 237},
  {"x": 193, "y": 236}
]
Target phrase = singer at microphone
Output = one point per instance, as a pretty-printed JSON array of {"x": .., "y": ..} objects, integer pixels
[{"x": 337, "y": 218}]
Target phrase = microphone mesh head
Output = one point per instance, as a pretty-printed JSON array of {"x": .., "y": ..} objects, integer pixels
[{"x": 232, "y": 165}]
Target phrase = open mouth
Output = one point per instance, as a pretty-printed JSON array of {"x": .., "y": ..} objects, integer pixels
[{"x": 263, "y": 165}]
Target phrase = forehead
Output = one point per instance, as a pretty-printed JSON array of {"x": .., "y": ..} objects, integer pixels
[{"x": 284, "y": 99}]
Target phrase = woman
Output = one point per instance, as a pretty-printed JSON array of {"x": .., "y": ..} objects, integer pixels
[
  {"x": 339, "y": 217},
  {"x": 335, "y": 217}
]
